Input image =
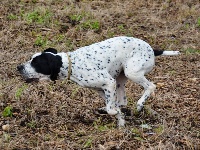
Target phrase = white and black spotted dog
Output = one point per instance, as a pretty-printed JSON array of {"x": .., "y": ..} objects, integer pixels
[{"x": 104, "y": 66}]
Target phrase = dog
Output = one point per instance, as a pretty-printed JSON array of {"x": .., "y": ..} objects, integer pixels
[{"x": 104, "y": 66}]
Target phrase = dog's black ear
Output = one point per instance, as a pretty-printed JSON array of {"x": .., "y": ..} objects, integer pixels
[
  {"x": 55, "y": 63},
  {"x": 52, "y": 50},
  {"x": 47, "y": 64}
]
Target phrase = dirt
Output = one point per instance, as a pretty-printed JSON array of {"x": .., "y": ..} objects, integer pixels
[{"x": 63, "y": 115}]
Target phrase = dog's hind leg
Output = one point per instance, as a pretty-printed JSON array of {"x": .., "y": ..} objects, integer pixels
[
  {"x": 148, "y": 86},
  {"x": 121, "y": 93},
  {"x": 136, "y": 74}
]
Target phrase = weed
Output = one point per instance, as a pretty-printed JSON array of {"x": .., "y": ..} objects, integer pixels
[
  {"x": 191, "y": 51},
  {"x": 121, "y": 28},
  {"x": 198, "y": 22},
  {"x": 187, "y": 25},
  {"x": 159, "y": 129},
  {"x": 81, "y": 133},
  {"x": 76, "y": 18},
  {"x": 88, "y": 143},
  {"x": 69, "y": 44},
  {"x": 12, "y": 17},
  {"x": 110, "y": 34},
  {"x": 7, "y": 112},
  {"x": 6, "y": 137},
  {"x": 100, "y": 127},
  {"x": 60, "y": 38},
  {"x": 38, "y": 16},
  {"x": 31, "y": 124},
  {"x": 135, "y": 131},
  {"x": 47, "y": 137},
  {"x": 40, "y": 41},
  {"x": 74, "y": 92},
  {"x": 19, "y": 91},
  {"x": 34, "y": 1},
  {"x": 93, "y": 25}
]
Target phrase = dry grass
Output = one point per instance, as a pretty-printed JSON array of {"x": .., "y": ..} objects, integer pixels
[{"x": 62, "y": 115}]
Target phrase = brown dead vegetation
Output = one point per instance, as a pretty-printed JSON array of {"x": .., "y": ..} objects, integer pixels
[{"x": 62, "y": 115}]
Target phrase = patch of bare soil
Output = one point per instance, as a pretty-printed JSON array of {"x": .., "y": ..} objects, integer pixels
[{"x": 63, "y": 115}]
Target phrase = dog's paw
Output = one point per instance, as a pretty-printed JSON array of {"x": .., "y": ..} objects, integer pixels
[
  {"x": 112, "y": 111},
  {"x": 139, "y": 107},
  {"x": 121, "y": 123}
]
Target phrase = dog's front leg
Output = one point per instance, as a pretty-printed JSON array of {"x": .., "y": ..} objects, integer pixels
[{"x": 111, "y": 102}]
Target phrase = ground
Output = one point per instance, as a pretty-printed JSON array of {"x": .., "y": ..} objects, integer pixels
[{"x": 63, "y": 115}]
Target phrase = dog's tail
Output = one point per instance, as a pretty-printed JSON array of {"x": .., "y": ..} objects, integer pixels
[{"x": 161, "y": 52}]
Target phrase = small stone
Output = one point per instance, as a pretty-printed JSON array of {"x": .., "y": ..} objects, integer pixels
[{"x": 6, "y": 127}]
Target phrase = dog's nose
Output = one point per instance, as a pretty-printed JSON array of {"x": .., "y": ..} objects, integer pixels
[{"x": 20, "y": 67}]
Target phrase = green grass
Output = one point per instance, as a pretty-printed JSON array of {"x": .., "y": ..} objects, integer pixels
[
  {"x": 198, "y": 22},
  {"x": 88, "y": 143},
  {"x": 32, "y": 124},
  {"x": 76, "y": 17},
  {"x": 6, "y": 137},
  {"x": 74, "y": 92},
  {"x": 12, "y": 17},
  {"x": 20, "y": 91},
  {"x": 159, "y": 129},
  {"x": 192, "y": 51},
  {"x": 7, "y": 112},
  {"x": 121, "y": 28},
  {"x": 100, "y": 127},
  {"x": 90, "y": 24},
  {"x": 137, "y": 134},
  {"x": 41, "y": 41},
  {"x": 38, "y": 16}
]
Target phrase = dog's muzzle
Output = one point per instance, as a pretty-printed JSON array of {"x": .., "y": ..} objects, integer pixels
[{"x": 20, "y": 68}]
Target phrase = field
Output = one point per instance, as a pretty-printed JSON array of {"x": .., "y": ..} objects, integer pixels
[{"x": 63, "y": 115}]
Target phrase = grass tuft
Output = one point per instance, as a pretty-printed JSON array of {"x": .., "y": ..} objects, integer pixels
[
  {"x": 7, "y": 112},
  {"x": 20, "y": 91},
  {"x": 191, "y": 51},
  {"x": 88, "y": 143},
  {"x": 38, "y": 16},
  {"x": 198, "y": 22},
  {"x": 12, "y": 17},
  {"x": 41, "y": 41}
]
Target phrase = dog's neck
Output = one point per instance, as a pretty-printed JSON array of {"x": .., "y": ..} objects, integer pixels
[
  {"x": 75, "y": 63},
  {"x": 69, "y": 66},
  {"x": 64, "y": 70}
]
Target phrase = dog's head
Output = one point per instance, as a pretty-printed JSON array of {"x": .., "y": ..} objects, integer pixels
[{"x": 44, "y": 65}]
